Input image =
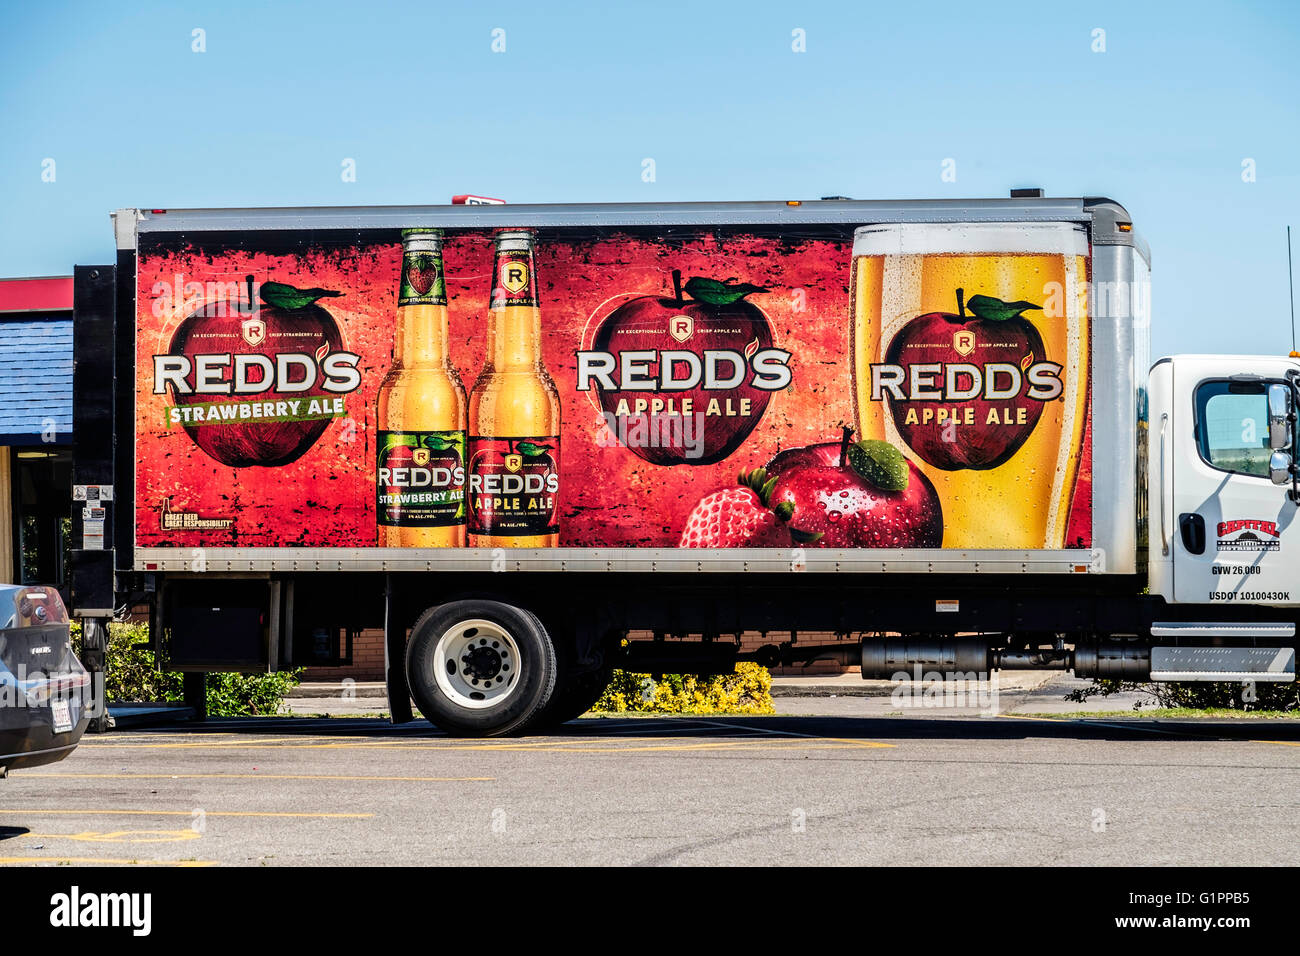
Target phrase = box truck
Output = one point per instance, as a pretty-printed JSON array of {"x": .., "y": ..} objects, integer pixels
[{"x": 538, "y": 442}]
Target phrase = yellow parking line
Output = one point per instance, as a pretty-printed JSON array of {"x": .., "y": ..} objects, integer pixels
[
  {"x": 121, "y": 836},
  {"x": 1280, "y": 743},
  {"x": 535, "y": 746},
  {"x": 33, "y": 812},
  {"x": 222, "y": 745},
  {"x": 776, "y": 732},
  {"x": 259, "y": 776},
  {"x": 115, "y": 738},
  {"x": 757, "y": 744},
  {"x": 102, "y": 861}
]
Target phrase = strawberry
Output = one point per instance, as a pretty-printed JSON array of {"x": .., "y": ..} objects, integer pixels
[
  {"x": 738, "y": 517},
  {"x": 421, "y": 273}
]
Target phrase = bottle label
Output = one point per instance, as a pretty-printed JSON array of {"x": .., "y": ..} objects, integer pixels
[
  {"x": 423, "y": 282},
  {"x": 514, "y": 485},
  {"x": 421, "y": 479},
  {"x": 515, "y": 283}
]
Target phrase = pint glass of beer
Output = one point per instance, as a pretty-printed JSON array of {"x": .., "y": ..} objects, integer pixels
[{"x": 970, "y": 355}]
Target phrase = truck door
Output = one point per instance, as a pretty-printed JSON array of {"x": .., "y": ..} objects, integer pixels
[{"x": 1234, "y": 535}]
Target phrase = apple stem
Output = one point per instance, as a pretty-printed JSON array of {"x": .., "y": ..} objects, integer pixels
[
  {"x": 844, "y": 444},
  {"x": 961, "y": 303},
  {"x": 251, "y": 303},
  {"x": 677, "y": 287}
]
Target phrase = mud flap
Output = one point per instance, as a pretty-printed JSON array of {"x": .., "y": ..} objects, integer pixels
[{"x": 399, "y": 692}]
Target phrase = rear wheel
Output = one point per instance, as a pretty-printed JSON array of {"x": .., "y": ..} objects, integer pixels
[{"x": 480, "y": 668}]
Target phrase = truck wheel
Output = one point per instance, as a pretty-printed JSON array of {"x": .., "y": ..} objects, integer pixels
[
  {"x": 480, "y": 668},
  {"x": 574, "y": 697}
]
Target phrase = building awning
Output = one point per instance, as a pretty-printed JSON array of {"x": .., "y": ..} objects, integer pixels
[
  {"x": 47, "y": 294},
  {"x": 35, "y": 381}
]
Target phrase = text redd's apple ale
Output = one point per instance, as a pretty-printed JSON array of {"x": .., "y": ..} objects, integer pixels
[
  {"x": 514, "y": 414},
  {"x": 970, "y": 353},
  {"x": 420, "y": 484}
]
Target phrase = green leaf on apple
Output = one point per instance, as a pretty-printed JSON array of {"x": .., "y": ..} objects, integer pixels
[
  {"x": 530, "y": 450},
  {"x": 805, "y": 537},
  {"x": 995, "y": 310},
  {"x": 880, "y": 463},
  {"x": 713, "y": 292},
  {"x": 281, "y": 296}
]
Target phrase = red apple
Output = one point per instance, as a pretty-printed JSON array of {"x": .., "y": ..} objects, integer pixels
[
  {"x": 968, "y": 414},
  {"x": 288, "y": 321},
  {"x": 863, "y": 495},
  {"x": 697, "y": 407}
]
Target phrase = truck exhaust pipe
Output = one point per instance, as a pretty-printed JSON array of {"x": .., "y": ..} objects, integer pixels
[
  {"x": 890, "y": 658},
  {"x": 904, "y": 657},
  {"x": 1112, "y": 660}
]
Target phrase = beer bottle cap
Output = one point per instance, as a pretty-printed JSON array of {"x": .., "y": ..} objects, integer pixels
[
  {"x": 514, "y": 240},
  {"x": 427, "y": 233}
]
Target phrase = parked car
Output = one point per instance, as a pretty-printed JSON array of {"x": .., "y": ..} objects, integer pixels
[{"x": 44, "y": 690}]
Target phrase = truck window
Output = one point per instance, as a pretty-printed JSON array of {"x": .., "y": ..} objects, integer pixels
[{"x": 1232, "y": 426}]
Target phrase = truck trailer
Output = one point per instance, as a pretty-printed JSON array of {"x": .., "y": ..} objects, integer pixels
[{"x": 538, "y": 442}]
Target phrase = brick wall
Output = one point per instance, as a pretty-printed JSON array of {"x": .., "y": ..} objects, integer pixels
[{"x": 367, "y": 660}]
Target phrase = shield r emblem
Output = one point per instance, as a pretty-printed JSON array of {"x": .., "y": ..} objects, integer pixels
[
  {"x": 964, "y": 342},
  {"x": 514, "y": 276},
  {"x": 420, "y": 456},
  {"x": 514, "y": 463},
  {"x": 681, "y": 327},
  {"x": 254, "y": 330}
]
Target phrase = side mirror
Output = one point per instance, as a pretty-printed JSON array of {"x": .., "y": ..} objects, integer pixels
[
  {"x": 1279, "y": 417},
  {"x": 1279, "y": 468}
]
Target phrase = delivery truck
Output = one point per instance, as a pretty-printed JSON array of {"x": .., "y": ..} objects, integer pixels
[{"x": 538, "y": 442}]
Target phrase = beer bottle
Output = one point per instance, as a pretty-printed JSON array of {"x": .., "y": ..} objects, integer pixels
[
  {"x": 514, "y": 414},
  {"x": 420, "y": 484}
]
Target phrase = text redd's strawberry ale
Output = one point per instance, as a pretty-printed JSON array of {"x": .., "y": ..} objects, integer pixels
[
  {"x": 970, "y": 353},
  {"x": 420, "y": 480},
  {"x": 514, "y": 414}
]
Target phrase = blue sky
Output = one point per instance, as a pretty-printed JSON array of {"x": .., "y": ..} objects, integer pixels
[{"x": 713, "y": 92}]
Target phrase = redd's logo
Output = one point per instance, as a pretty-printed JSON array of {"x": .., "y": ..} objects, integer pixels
[
  {"x": 1244, "y": 534},
  {"x": 682, "y": 381},
  {"x": 514, "y": 277},
  {"x": 513, "y": 463},
  {"x": 420, "y": 457},
  {"x": 978, "y": 412},
  {"x": 254, "y": 330}
]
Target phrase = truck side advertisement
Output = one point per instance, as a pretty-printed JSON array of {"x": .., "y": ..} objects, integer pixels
[{"x": 864, "y": 386}]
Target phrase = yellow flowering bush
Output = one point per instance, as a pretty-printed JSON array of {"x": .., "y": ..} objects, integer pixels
[{"x": 747, "y": 691}]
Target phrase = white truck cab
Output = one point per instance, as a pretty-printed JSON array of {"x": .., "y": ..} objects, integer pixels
[
  {"x": 1225, "y": 519},
  {"x": 1225, "y": 512}
]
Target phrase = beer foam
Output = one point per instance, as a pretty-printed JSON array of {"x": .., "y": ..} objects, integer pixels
[{"x": 970, "y": 238}]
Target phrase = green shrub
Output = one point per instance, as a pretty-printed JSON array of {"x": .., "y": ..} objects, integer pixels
[
  {"x": 747, "y": 691},
  {"x": 1230, "y": 695},
  {"x": 133, "y": 673}
]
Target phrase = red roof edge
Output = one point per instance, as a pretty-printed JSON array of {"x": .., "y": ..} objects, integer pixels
[{"x": 36, "y": 295}]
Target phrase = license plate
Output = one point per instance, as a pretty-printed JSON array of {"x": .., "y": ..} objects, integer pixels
[{"x": 62, "y": 715}]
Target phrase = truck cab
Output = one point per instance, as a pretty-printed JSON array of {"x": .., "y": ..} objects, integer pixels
[{"x": 1222, "y": 477}]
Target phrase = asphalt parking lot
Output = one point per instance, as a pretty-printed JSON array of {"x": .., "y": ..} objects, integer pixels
[{"x": 915, "y": 788}]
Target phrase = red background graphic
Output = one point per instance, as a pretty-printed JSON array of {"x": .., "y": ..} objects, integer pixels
[{"x": 609, "y": 497}]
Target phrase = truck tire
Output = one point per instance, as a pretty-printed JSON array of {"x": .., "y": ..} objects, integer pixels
[
  {"x": 480, "y": 668},
  {"x": 573, "y": 697}
]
